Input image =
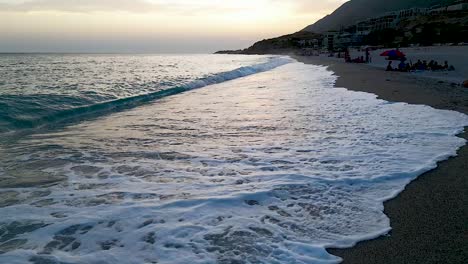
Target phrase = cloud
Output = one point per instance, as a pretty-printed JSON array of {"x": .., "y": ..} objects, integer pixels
[
  {"x": 180, "y": 7},
  {"x": 170, "y": 7},
  {"x": 113, "y": 25},
  {"x": 185, "y": 7},
  {"x": 79, "y": 5},
  {"x": 317, "y": 7}
]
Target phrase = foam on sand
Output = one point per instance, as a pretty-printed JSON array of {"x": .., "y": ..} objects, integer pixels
[{"x": 271, "y": 168}]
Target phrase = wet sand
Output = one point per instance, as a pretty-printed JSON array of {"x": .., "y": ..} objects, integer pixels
[{"x": 430, "y": 218}]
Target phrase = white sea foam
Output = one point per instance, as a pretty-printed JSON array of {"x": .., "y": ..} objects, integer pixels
[
  {"x": 29, "y": 107},
  {"x": 271, "y": 168},
  {"x": 273, "y": 62}
]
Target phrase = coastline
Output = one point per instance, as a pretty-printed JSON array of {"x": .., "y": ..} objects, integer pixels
[{"x": 428, "y": 218}]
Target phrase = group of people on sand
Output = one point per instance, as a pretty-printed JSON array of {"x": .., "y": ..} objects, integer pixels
[
  {"x": 420, "y": 66},
  {"x": 358, "y": 59}
]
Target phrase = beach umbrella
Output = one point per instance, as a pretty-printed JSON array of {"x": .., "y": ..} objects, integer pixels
[{"x": 393, "y": 54}]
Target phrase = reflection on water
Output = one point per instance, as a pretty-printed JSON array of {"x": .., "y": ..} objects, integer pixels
[{"x": 265, "y": 169}]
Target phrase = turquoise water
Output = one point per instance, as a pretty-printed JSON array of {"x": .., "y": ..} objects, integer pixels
[{"x": 38, "y": 89}]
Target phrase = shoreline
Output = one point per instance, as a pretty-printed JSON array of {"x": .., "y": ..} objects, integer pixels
[{"x": 428, "y": 218}]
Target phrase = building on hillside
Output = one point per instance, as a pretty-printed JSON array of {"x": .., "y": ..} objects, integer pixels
[
  {"x": 412, "y": 13},
  {"x": 314, "y": 43},
  {"x": 438, "y": 9},
  {"x": 363, "y": 28},
  {"x": 458, "y": 6},
  {"x": 329, "y": 40},
  {"x": 346, "y": 39},
  {"x": 388, "y": 20},
  {"x": 354, "y": 35}
]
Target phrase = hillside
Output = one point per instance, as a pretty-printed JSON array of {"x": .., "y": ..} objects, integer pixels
[
  {"x": 356, "y": 10},
  {"x": 280, "y": 45}
]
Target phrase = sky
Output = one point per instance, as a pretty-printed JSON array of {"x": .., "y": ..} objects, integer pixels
[{"x": 151, "y": 26}]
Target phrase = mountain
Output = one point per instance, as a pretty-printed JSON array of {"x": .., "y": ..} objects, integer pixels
[
  {"x": 356, "y": 10},
  {"x": 280, "y": 45}
]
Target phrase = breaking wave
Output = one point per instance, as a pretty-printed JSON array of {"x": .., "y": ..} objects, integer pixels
[{"x": 29, "y": 111}]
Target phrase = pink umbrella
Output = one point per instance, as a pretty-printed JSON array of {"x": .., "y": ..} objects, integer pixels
[{"x": 393, "y": 54}]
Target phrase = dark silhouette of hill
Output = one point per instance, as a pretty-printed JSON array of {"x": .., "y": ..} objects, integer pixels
[
  {"x": 356, "y": 10},
  {"x": 280, "y": 45}
]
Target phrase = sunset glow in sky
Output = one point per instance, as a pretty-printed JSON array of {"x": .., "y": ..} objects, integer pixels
[{"x": 150, "y": 25}]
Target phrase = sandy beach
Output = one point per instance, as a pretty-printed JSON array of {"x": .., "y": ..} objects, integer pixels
[
  {"x": 456, "y": 56},
  {"x": 429, "y": 219}
]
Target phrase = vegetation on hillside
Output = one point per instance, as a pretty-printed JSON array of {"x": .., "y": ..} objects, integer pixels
[
  {"x": 356, "y": 10},
  {"x": 425, "y": 31},
  {"x": 278, "y": 45}
]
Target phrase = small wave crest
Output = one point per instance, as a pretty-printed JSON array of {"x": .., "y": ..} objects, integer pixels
[
  {"x": 274, "y": 176},
  {"x": 24, "y": 112}
]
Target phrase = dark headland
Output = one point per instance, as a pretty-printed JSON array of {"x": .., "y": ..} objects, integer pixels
[{"x": 430, "y": 218}]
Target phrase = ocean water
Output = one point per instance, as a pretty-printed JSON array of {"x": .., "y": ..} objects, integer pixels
[
  {"x": 39, "y": 89},
  {"x": 200, "y": 159}
]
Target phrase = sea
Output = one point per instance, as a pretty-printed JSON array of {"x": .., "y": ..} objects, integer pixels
[{"x": 108, "y": 158}]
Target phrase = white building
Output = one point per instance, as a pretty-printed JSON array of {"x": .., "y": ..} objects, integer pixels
[
  {"x": 388, "y": 20},
  {"x": 437, "y": 10},
  {"x": 309, "y": 43},
  {"x": 363, "y": 28},
  {"x": 329, "y": 40},
  {"x": 458, "y": 6},
  {"x": 412, "y": 12}
]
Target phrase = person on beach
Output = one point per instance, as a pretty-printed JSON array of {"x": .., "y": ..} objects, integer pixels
[
  {"x": 417, "y": 65},
  {"x": 431, "y": 64},
  {"x": 420, "y": 66},
  {"x": 448, "y": 67},
  {"x": 389, "y": 66},
  {"x": 402, "y": 66},
  {"x": 408, "y": 67},
  {"x": 347, "y": 55}
]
